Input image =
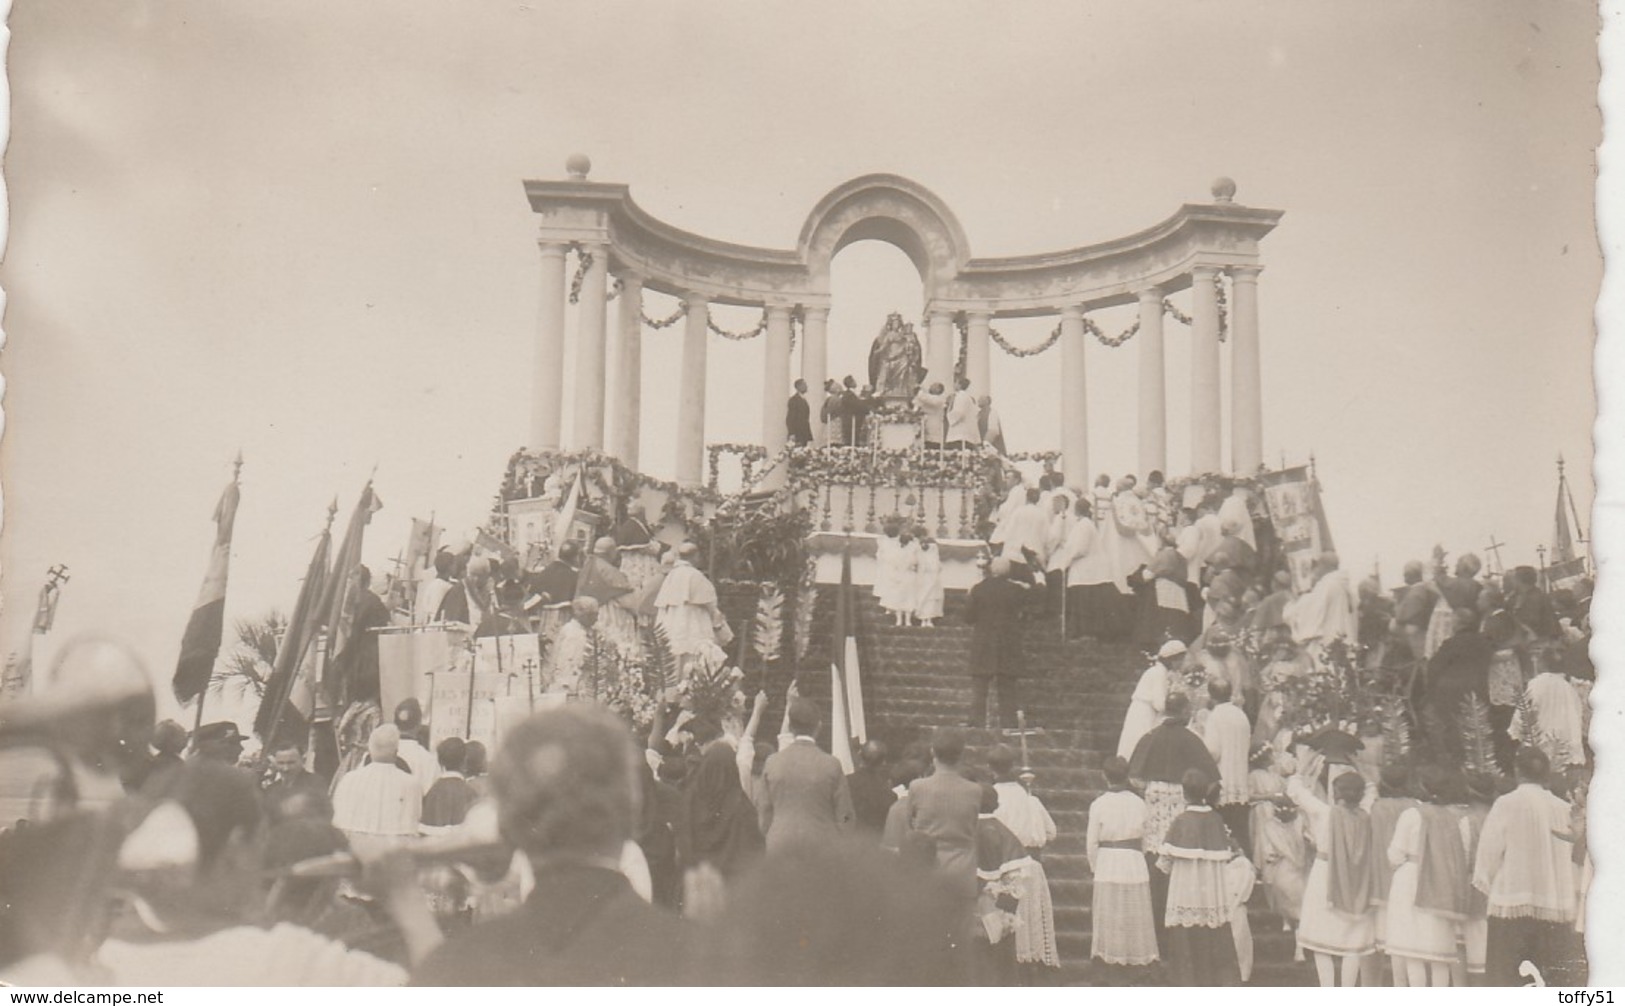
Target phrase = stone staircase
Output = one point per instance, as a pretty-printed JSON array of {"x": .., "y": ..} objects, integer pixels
[{"x": 1074, "y": 694}]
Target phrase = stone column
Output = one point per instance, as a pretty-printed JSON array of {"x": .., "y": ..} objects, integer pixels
[
  {"x": 1246, "y": 389},
  {"x": 691, "y": 394},
  {"x": 1153, "y": 386},
  {"x": 591, "y": 343},
  {"x": 1074, "y": 398},
  {"x": 547, "y": 407},
  {"x": 815, "y": 365},
  {"x": 978, "y": 349},
  {"x": 1205, "y": 418},
  {"x": 939, "y": 349},
  {"x": 626, "y": 396},
  {"x": 775, "y": 390}
]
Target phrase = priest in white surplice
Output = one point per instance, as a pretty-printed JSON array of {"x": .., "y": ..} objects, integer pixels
[
  {"x": 686, "y": 608},
  {"x": 378, "y": 804},
  {"x": 1326, "y": 611}
]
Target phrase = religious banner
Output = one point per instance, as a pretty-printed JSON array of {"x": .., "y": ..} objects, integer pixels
[
  {"x": 1293, "y": 498},
  {"x": 530, "y": 528},
  {"x": 465, "y": 705},
  {"x": 408, "y": 656}
]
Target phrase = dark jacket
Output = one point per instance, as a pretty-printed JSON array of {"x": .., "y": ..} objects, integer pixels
[
  {"x": 872, "y": 797},
  {"x": 992, "y": 608},
  {"x": 582, "y": 925},
  {"x": 798, "y": 420}
]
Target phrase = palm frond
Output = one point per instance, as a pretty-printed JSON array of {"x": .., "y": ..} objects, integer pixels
[
  {"x": 1477, "y": 736},
  {"x": 1396, "y": 736},
  {"x": 661, "y": 658},
  {"x": 806, "y": 600},
  {"x": 767, "y": 636},
  {"x": 1525, "y": 722}
]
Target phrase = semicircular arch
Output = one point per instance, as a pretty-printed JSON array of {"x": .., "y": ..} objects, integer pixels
[{"x": 891, "y": 209}]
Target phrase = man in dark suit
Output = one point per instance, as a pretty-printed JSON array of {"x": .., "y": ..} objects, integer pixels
[
  {"x": 564, "y": 786},
  {"x": 798, "y": 416},
  {"x": 993, "y": 609},
  {"x": 870, "y": 785},
  {"x": 806, "y": 797}
]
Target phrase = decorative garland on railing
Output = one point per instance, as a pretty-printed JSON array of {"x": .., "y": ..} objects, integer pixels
[{"x": 584, "y": 260}]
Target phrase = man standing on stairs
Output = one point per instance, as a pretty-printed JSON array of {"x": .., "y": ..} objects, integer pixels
[
  {"x": 944, "y": 807},
  {"x": 807, "y": 799},
  {"x": 993, "y": 609}
]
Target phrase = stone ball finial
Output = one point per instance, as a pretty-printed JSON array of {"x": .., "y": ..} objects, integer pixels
[
  {"x": 1224, "y": 190},
  {"x": 579, "y": 164}
]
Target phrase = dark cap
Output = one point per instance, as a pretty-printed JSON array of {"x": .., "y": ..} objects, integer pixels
[{"x": 221, "y": 732}]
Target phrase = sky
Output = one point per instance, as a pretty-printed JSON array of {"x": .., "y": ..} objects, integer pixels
[{"x": 298, "y": 230}]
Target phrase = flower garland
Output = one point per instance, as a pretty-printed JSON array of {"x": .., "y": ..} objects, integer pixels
[
  {"x": 1221, "y": 297},
  {"x": 910, "y": 468},
  {"x": 761, "y": 326},
  {"x": 1004, "y": 344},
  {"x": 584, "y": 260},
  {"x": 1113, "y": 341},
  {"x": 898, "y": 412},
  {"x": 669, "y": 320},
  {"x": 748, "y": 454},
  {"x": 683, "y": 503}
]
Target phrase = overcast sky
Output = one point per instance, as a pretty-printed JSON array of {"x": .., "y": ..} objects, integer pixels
[{"x": 298, "y": 229}]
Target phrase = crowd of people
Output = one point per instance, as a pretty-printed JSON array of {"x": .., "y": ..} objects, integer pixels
[
  {"x": 585, "y": 851},
  {"x": 157, "y": 857},
  {"x": 1225, "y": 777}
]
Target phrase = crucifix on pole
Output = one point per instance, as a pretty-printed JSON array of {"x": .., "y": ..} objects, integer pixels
[
  {"x": 1493, "y": 550},
  {"x": 1026, "y": 775}
]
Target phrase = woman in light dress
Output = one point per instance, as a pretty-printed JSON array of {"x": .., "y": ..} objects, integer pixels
[
  {"x": 1279, "y": 850},
  {"x": 1336, "y": 919},
  {"x": 889, "y": 587},
  {"x": 927, "y": 580}
]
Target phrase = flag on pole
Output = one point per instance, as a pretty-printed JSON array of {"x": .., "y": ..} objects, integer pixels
[
  {"x": 1562, "y": 533},
  {"x": 200, "y": 644},
  {"x": 567, "y": 514},
  {"x": 846, "y": 686},
  {"x": 289, "y": 698},
  {"x": 343, "y": 588},
  {"x": 420, "y": 547}
]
